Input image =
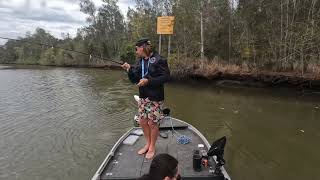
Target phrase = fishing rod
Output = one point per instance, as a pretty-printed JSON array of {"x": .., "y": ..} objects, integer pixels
[{"x": 52, "y": 46}]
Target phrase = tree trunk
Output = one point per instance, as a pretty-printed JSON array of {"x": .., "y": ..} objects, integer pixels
[
  {"x": 201, "y": 30},
  {"x": 302, "y": 63},
  {"x": 230, "y": 24}
]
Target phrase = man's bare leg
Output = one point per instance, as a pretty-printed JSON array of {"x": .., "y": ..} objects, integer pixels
[
  {"x": 153, "y": 138},
  {"x": 146, "y": 132}
]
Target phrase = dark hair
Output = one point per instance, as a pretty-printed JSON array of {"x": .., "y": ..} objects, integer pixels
[{"x": 161, "y": 166}]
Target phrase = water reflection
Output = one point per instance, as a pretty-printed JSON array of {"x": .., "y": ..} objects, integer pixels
[
  {"x": 268, "y": 133},
  {"x": 59, "y": 123}
]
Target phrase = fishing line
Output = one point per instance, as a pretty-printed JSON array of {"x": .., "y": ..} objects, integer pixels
[
  {"x": 52, "y": 46},
  {"x": 181, "y": 139}
]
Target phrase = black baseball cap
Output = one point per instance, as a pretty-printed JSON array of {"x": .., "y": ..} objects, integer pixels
[{"x": 143, "y": 41}]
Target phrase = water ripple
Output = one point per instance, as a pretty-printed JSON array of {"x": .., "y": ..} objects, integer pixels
[{"x": 58, "y": 119}]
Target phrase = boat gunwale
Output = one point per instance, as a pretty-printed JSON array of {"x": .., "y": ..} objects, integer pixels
[
  {"x": 111, "y": 154},
  {"x": 121, "y": 139}
]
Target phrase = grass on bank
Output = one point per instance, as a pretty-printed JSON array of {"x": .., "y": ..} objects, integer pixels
[{"x": 205, "y": 68}]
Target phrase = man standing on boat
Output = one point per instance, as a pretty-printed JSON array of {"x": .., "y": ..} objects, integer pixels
[{"x": 149, "y": 74}]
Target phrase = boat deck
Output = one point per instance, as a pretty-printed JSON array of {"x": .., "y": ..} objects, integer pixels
[{"x": 127, "y": 164}]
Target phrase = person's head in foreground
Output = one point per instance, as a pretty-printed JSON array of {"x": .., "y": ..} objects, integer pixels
[{"x": 163, "y": 167}]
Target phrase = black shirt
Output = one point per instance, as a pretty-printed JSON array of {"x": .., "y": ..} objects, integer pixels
[{"x": 157, "y": 74}]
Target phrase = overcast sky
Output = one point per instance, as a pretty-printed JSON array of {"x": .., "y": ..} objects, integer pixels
[{"x": 56, "y": 16}]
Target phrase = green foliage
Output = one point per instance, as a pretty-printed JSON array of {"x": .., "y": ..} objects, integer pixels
[
  {"x": 276, "y": 35},
  {"x": 48, "y": 57},
  {"x": 129, "y": 55}
]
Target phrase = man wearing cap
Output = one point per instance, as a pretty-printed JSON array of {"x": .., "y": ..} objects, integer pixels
[{"x": 149, "y": 74}]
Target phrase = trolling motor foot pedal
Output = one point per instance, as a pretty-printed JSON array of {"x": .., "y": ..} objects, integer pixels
[{"x": 217, "y": 149}]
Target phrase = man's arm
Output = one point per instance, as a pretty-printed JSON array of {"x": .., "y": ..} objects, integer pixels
[{"x": 134, "y": 73}]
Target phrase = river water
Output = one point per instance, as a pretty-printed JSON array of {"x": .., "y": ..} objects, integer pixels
[{"x": 60, "y": 123}]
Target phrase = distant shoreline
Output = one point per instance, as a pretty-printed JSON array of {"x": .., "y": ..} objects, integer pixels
[{"x": 263, "y": 79}]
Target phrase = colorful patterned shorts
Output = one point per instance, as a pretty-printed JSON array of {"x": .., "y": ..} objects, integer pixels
[{"x": 151, "y": 110}]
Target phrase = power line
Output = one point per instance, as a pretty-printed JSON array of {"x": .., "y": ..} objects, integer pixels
[{"x": 52, "y": 46}]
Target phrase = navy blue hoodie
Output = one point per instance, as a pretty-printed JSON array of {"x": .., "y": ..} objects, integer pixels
[{"x": 157, "y": 74}]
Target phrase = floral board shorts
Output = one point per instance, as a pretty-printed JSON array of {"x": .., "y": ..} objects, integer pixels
[{"x": 151, "y": 110}]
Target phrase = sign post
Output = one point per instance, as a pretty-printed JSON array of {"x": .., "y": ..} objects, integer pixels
[
  {"x": 159, "y": 44},
  {"x": 165, "y": 26}
]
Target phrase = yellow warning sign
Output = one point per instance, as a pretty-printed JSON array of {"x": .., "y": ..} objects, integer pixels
[{"x": 165, "y": 25}]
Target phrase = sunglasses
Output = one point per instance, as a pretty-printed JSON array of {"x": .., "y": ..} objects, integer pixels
[{"x": 140, "y": 47}]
